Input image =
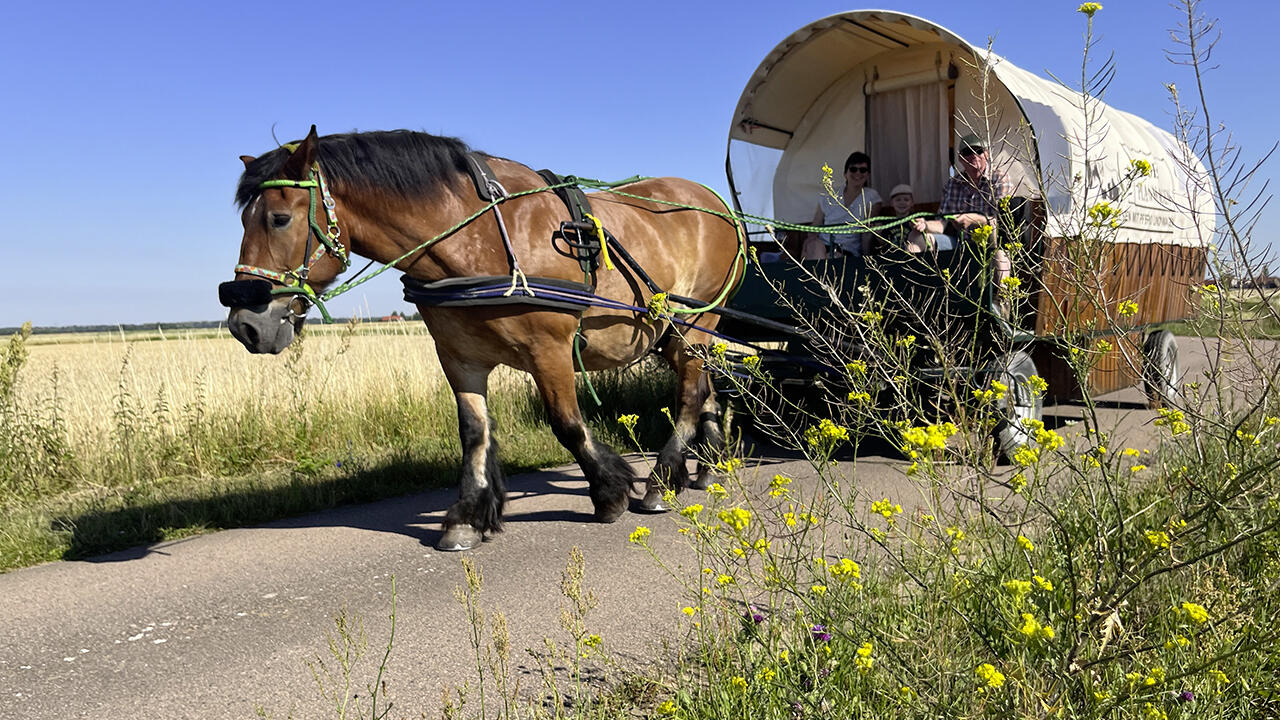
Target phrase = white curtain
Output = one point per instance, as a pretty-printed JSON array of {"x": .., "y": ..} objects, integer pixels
[{"x": 907, "y": 140}]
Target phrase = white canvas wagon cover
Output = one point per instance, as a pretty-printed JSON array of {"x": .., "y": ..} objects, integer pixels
[{"x": 904, "y": 89}]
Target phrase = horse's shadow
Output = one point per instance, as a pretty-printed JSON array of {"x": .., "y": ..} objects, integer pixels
[{"x": 360, "y": 500}]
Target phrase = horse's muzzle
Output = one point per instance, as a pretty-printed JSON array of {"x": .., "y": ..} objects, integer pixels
[{"x": 245, "y": 293}]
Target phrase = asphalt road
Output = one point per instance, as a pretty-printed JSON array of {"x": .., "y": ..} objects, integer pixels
[{"x": 222, "y": 624}]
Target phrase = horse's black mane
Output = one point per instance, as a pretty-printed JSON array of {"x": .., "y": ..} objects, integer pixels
[{"x": 404, "y": 162}]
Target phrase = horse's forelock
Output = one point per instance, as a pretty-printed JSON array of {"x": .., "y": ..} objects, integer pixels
[{"x": 264, "y": 167}]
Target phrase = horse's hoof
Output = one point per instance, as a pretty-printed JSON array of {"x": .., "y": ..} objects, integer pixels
[
  {"x": 611, "y": 511},
  {"x": 459, "y": 538},
  {"x": 653, "y": 502},
  {"x": 702, "y": 481}
]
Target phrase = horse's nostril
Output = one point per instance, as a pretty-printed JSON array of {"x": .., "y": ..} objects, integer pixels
[{"x": 250, "y": 334}]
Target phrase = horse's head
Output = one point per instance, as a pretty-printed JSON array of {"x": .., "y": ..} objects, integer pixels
[{"x": 287, "y": 253}]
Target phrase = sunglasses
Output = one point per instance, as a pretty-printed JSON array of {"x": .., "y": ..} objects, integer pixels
[
  {"x": 971, "y": 152},
  {"x": 858, "y": 168}
]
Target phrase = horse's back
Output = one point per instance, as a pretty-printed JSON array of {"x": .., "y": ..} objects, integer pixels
[{"x": 679, "y": 226}]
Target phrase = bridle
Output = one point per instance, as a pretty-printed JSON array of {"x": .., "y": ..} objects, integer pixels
[{"x": 249, "y": 292}]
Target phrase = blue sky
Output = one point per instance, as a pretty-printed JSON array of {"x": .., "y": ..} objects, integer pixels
[{"x": 123, "y": 121}]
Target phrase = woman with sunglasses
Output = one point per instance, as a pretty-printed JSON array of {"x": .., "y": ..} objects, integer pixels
[{"x": 856, "y": 203}]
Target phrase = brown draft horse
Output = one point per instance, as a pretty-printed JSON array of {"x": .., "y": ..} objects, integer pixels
[{"x": 393, "y": 191}]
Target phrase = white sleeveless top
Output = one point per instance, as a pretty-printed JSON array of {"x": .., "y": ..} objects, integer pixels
[{"x": 858, "y": 211}]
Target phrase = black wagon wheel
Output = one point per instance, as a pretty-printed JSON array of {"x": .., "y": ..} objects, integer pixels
[
  {"x": 1161, "y": 372},
  {"x": 1019, "y": 403}
]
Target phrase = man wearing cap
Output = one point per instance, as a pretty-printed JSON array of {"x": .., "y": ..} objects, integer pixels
[{"x": 972, "y": 196}]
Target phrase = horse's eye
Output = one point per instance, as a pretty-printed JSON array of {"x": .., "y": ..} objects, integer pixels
[{"x": 280, "y": 220}]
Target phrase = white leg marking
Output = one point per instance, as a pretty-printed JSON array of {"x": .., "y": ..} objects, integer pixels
[{"x": 474, "y": 405}]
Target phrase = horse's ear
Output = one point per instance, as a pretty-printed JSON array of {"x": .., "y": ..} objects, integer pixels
[
  {"x": 302, "y": 156},
  {"x": 246, "y": 159}
]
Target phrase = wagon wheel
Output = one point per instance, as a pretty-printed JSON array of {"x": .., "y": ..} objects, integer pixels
[
  {"x": 1019, "y": 403},
  {"x": 1160, "y": 369}
]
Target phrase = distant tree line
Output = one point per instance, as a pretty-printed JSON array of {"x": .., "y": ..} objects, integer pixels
[{"x": 189, "y": 325}]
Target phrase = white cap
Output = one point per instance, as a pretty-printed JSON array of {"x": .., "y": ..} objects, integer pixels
[{"x": 900, "y": 189}]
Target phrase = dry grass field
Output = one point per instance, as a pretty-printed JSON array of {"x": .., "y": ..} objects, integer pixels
[{"x": 114, "y": 439}]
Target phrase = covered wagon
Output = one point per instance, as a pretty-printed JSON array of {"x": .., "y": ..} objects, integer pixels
[{"x": 905, "y": 90}]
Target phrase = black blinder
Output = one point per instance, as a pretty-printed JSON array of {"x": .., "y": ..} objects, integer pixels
[{"x": 245, "y": 293}]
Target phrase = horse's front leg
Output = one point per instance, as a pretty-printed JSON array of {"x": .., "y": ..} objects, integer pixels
[
  {"x": 671, "y": 472},
  {"x": 482, "y": 491},
  {"x": 608, "y": 475}
]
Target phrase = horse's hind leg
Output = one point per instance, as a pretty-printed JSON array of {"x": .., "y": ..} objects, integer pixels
[
  {"x": 608, "y": 475},
  {"x": 693, "y": 389},
  {"x": 482, "y": 491},
  {"x": 711, "y": 442}
]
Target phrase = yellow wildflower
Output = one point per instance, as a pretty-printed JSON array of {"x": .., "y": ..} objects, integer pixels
[
  {"x": 1174, "y": 420},
  {"x": 1026, "y": 544},
  {"x": 628, "y": 422},
  {"x": 1089, "y": 8},
  {"x": 1158, "y": 538},
  {"x": 988, "y": 673},
  {"x": 864, "y": 661},
  {"x": 736, "y": 518},
  {"x": 996, "y": 392},
  {"x": 691, "y": 511},
  {"x": 846, "y": 569},
  {"x": 1103, "y": 213},
  {"x": 1127, "y": 308},
  {"x": 667, "y": 708},
  {"x": 657, "y": 306},
  {"x": 640, "y": 535},
  {"x": 886, "y": 508},
  {"x": 1019, "y": 588},
  {"x": 826, "y": 433},
  {"x": 1037, "y": 384},
  {"x": 717, "y": 491},
  {"x": 1197, "y": 613},
  {"x": 1026, "y": 456},
  {"x": 1033, "y": 629},
  {"x": 739, "y": 683}
]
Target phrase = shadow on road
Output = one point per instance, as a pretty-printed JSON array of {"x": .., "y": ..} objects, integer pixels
[{"x": 387, "y": 498}]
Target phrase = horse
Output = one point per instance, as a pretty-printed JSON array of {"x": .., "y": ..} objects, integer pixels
[{"x": 386, "y": 195}]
